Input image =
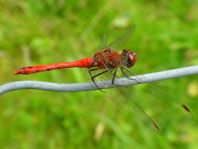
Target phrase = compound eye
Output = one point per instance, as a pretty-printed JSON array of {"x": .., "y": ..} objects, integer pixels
[{"x": 129, "y": 58}]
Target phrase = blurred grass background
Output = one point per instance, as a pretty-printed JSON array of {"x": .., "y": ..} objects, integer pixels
[{"x": 40, "y": 32}]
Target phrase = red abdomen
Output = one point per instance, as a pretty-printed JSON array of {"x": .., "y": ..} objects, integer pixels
[{"x": 83, "y": 63}]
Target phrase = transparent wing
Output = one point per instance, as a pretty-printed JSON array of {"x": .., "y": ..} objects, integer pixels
[
  {"x": 120, "y": 41},
  {"x": 103, "y": 43},
  {"x": 150, "y": 104},
  {"x": 160, "y": 103}
]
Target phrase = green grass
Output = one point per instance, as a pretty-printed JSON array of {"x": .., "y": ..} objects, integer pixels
[{"x": 40, "y": 32}]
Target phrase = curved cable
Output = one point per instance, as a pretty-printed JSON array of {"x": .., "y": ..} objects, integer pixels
[{"x": 74, "y": 87}]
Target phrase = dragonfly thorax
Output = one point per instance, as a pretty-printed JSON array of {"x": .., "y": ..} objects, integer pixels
[
  {"x": 107, "y": 59},
  {"x": 110, "y": 59}
]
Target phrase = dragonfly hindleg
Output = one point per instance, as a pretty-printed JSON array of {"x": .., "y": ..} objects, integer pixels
[{"x": 94, "y": 76}]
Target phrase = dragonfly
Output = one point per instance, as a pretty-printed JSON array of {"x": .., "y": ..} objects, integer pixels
[{"x": 106, "y": 60}]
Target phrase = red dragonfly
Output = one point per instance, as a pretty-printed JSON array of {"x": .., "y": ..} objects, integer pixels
[{"x": 107, "y": 60}]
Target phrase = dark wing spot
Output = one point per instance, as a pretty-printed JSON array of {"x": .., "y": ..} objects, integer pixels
[
  {"x": 155, "y": 125},
  {"x": 186, "y": 108}
]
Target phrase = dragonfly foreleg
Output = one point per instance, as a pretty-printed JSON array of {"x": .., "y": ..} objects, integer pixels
[{"x": 124, "y": 73}]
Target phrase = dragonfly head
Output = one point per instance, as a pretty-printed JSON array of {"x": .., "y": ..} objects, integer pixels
[{"x": 128, "y": 58}]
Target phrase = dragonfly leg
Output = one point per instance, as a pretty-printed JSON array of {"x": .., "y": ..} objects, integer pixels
[
  {"x": 114, "y": 76},
  {"x": 124, "y": 73},
  {"x": 93, "y": 77}
]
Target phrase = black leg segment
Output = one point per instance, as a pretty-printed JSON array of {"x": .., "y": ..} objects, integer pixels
[{"x": 93, "y": 77}]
